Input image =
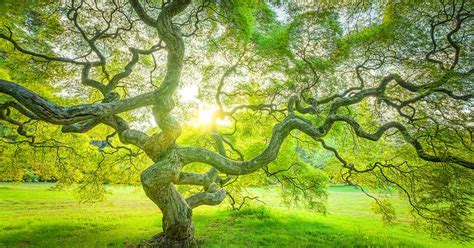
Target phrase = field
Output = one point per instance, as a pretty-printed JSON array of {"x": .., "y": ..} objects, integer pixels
[{"x": 32, "y": 215}]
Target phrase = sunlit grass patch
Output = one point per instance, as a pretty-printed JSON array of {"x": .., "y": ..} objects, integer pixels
[{"x": 31, "y": 215}]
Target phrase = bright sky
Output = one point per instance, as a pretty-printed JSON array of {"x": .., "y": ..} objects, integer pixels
[{"x": 188, "y": 93}]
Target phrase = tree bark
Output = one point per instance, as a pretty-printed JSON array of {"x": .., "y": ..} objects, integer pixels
[{"x": 157, "y": 181}]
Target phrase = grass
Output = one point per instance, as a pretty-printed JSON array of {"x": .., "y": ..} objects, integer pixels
[{"x": 32, "y": 215}]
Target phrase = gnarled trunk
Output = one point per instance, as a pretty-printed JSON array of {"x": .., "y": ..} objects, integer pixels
[{"x": 157, "y": 181}]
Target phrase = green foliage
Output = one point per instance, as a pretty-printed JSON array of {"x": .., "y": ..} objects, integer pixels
[
  {"x": 273, "y": 41},
  {"x": 310, "y": 189},
  {"x": 380, "y": 33},
  {"x": 31, "y": 177},
  {"x": 4, "y": 74},
  {"x": 241, "y": 15},
  {"x": 445, "y": 192},
  {"x": 259, "y": 212},
  {"x": 385, "y": 209}
]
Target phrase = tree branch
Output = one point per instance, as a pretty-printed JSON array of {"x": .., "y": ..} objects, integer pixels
[{"x": 56, "y": 114}]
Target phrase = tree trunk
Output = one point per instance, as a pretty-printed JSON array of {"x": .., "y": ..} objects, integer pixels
[{"x": 178, "y": 228}]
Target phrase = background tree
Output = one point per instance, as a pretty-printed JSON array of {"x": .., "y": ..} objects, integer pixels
[{"x": 326, "y": 78}]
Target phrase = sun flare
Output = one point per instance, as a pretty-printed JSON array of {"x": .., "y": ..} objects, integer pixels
[{"x": 205, "y": 114}]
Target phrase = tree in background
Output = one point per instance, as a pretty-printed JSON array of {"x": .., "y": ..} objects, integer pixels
[{"x": 385, "y": 87}]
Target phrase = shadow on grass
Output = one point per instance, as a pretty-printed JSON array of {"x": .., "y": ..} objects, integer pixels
[
  {"x": 260, "y": 227},
  {"x": 256, "y": 227}
]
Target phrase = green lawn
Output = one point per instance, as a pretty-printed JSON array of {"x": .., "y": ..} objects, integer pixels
[{"x": 32, "y": 215}]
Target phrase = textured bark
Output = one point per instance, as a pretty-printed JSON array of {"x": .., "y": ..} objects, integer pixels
[
  {"x": 232, "y": 167},
  {"x": 213, "y": 196},
  {"x": 157, "y": 181},
  {"x": 50, "y": 112}
]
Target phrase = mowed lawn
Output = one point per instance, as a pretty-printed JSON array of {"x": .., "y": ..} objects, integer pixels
[{"x": 32, "y": 215}]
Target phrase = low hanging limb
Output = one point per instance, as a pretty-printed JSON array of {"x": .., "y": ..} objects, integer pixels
[
  {"x": 50, "y": 112},
  {"x": 213, "y": 196}
]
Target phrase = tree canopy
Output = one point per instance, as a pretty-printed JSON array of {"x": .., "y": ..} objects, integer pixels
[{"x": 199, "y": 100}]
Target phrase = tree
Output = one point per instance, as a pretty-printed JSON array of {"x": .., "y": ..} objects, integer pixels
[{"x": 399, "y": 73}]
